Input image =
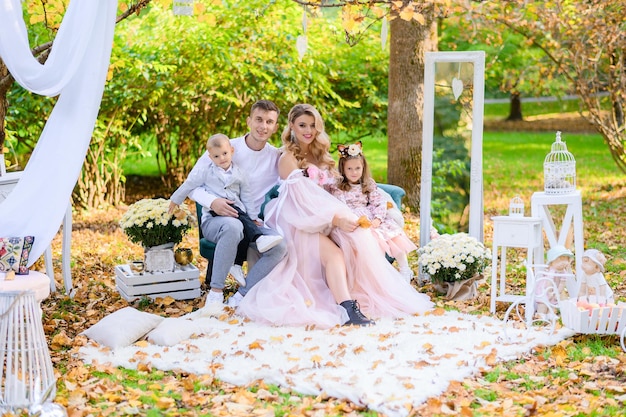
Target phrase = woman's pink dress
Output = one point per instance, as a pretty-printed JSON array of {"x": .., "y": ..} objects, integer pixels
[{"x": 295, "y": 292}]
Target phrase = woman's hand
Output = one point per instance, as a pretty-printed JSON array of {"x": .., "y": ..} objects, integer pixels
[{"x": 345, "y": 224}]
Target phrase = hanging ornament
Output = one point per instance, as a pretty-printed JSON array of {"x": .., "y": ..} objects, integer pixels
[
  {"x": 301, "y": 41},
  {"x": 183, "y": 7},
  {"x": 383, "y": 33},
  {"x": 301, "y": 46},
  {"x": 457, "y": 85}
]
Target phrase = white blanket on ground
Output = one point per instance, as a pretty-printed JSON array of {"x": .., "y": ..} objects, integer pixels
[
  {"x": 390, "y": 367},
  {"x": 76, "y": 71}
]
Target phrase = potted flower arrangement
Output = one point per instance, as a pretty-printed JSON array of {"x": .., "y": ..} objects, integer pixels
[
  {"x": 149, "y": 223},
  {"x": 456, "y": 262}
]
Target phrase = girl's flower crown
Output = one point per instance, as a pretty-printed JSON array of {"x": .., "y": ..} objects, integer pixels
[{"x": 353, "y": 150}]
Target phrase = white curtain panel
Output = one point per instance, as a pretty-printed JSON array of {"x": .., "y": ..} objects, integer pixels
[{"x": 75, "y": 71}]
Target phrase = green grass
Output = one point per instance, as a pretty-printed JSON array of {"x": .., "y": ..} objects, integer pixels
[
  {"x": 501, "y": 110},
  {"x": 513, "y": 161}
]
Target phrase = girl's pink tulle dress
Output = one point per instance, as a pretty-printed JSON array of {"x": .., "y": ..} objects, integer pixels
[
  {"x": 295, "y": 292},
  {"x": 389, "y": 234}
]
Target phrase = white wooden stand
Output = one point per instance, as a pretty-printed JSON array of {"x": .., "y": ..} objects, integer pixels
[
  {"x": 540, "y": 207},
  {"x": 182, "y": 284},
  {"x": 7, "y": 182},
  {"x": 513, "y": 232}
]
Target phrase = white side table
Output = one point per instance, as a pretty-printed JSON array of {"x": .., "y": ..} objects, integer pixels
[
  {"x": 540, "y": 207},
  {"x": 513, "y": 232}
]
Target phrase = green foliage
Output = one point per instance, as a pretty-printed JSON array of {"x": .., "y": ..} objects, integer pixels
[
  {"x": 25, "y": 120},
  {"x": 198, "y": 76},
  {"x": 513, "y": 64}
]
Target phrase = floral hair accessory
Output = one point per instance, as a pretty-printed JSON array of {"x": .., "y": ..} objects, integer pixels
[{"x": 353, "y": 150}]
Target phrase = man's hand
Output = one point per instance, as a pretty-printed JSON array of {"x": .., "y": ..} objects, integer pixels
[{"x": 222, "y": 207}]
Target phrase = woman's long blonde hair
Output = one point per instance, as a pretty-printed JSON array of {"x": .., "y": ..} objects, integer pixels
[{"x": 319, "y": 148}]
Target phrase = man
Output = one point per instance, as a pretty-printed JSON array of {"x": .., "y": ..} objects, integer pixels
[{"x": 260, "y": 161}]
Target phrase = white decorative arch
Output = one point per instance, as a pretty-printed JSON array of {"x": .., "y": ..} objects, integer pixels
[{"x": 75, "y": 71}]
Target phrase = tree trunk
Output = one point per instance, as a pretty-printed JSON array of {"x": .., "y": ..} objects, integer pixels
[
  {"x": 408, "y": 43},
  {"x": 515, "y": 110}
]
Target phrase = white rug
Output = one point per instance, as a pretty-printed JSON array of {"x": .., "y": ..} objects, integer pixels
[{"x": 390, "y": 367}]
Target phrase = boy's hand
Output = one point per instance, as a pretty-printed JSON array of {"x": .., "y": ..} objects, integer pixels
[
  {"x": 222, "y": 207},
  {"x": 173, "y": 207}
]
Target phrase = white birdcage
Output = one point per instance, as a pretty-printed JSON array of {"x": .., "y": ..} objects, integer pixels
[
  {"x": 559, "y": 169},
  {"x": 26, "y": 377},
  {"x": 516, "y": 207}
]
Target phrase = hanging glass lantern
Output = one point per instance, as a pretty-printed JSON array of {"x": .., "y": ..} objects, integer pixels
[
  {"x": 183, "y": 7},
  {"x": 559, "y": 169}
]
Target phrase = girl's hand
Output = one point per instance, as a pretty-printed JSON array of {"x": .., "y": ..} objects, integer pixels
[
  {"x": 376, "y": 223},
  {"x": 345, "y": 224}
]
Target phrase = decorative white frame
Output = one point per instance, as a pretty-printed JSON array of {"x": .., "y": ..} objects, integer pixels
[{"x": 477, "y": 58}]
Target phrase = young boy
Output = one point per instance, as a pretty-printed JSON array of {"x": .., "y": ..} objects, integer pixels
[{"x": 224, "y": 179}]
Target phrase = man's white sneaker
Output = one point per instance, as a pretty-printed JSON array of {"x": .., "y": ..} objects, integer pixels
[
  {"x": 237, "y": 272},
  {"x": 234, "y": 300},
  {"x": 213, "y": 305},
  {"x": 267, "y": 242},
  {"x": 214, "y": 297}
]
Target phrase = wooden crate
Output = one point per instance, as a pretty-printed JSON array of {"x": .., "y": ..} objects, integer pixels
[
  {"x": 182, "y": 284},
  {"x": 603, "y": 320}
]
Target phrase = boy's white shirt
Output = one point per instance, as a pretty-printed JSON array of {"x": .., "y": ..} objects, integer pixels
[{"x": 261, "y": 168}]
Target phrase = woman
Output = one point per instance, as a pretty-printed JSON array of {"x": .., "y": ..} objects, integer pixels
[{"x": 333, "y": 267}]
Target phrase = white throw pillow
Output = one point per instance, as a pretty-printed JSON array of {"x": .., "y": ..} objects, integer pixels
[
  {"x": 123, "y": 328},
  {"x": 174, "y": 330}
]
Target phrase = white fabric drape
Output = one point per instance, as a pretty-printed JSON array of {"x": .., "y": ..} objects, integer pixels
[{"x": 76, "y": 71}]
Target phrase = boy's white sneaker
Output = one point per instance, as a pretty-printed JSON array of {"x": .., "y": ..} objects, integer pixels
[
  {"x": 214, "y": 297},
  {"x": 237, "y": 272},
  {"x": 213, "y": 305},
  {"x": 234, "y": 300},
  {"x": 267, "y": 242}
]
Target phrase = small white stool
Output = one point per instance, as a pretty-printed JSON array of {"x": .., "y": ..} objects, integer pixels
[
  {"x": 34, "y": 281},
  {"x": 513, "y": 232},
  {"x": 540, "y": 207}
]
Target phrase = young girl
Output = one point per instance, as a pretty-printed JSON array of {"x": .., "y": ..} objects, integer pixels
[{"x": 359, "y": 191}]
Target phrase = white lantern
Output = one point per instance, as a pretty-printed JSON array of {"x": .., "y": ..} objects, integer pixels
[
  {"x": 183, "y": 7},
  {"x": 516, "y": 207},
  {"x": 559, "y": 169}
]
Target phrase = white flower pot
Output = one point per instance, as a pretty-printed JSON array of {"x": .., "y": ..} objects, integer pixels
[{"x": 159, "y": 258}]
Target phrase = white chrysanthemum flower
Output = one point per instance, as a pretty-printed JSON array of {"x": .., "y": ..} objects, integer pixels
[
  {"x": 453, "y": 257},
  {"x": 149, "y": 222}
]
